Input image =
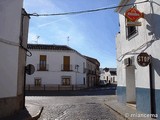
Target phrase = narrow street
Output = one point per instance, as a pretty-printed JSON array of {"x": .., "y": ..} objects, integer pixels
[{"x": 75, "y": 105}]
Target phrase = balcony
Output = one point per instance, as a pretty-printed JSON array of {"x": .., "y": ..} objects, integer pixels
[
  {"x": 66, "y": 67},
  {"x": 42, "y": 67},
  {"x": 91, "y": 72}
]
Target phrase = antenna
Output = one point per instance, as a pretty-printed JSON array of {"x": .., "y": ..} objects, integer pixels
[
  {"x": 68, "y": 40},
  {"x": 37, "y": 37}
]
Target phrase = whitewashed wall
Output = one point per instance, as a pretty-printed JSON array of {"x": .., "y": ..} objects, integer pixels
[
  {"x": 134, "y": 81},
  {"x": 104, "y": 75},
  {"x": 150, "y": 22},
  {"x": 55, "y": 60},
  {"x": 10, "y": 11}
]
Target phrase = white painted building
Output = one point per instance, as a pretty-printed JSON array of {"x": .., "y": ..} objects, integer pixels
[
  {"x": 57, "y": 67},
  {"x": 136, "y": 84},
  {"x": 109, "y": 75},
  {"x": 13, "y": 38},
  {"x": 92, "y": 71}
]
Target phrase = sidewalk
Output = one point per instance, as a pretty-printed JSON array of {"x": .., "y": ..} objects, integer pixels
[
  {"x": 31, "y": 112},
  {"x": 128, "y": 112}
]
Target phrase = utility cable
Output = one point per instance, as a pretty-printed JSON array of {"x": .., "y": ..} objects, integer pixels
[
  {"x": 143, "y": 47},
  {"x": 15, "y": 44},
  {"x": 8, "y": 42},
  {"x": 85, "y": 11}
]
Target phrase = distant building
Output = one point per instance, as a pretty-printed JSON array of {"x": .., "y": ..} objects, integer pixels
[
  {"x": 139, "y": 85},
  {"x": 108, "y": 74},
  {"x": 13, "y": 40},
  {"x": 92, "y": 71},
  {"x": 58, "y": 67}
]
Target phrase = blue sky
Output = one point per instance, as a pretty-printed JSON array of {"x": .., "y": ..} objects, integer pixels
[{"x": 91, "y": 34}]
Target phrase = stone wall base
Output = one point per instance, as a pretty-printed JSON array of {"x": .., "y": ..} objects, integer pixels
[{"x": 10, "y": 105}]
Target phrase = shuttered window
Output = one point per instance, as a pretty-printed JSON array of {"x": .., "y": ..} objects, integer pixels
[{"x": 66, "y": 63}]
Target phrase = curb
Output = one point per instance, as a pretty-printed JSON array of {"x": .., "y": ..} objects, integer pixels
[
  {"x": 125, "y": 111},
  {"x": 38, "y": 114},
  {"x": 35, "y": 117},
  {"x": 119, "y": 113}
]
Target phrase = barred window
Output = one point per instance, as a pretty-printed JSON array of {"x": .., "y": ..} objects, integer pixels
[{"x": 66, "y": 81}]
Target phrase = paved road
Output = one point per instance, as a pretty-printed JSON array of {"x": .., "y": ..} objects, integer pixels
[{"x": 75, "y": 105}]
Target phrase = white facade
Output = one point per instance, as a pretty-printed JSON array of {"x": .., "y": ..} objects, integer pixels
[
  {"x": 92, "y": 71},
  {"x": 109, "y": 76},
  {"x": 55, "y": 73},
  {"x": 133, "y": 80},
  {"x": 9, "y": 33},
  {"x": 12, "y": 55}
]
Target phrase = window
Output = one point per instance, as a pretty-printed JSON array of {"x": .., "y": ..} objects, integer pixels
[
  {"x": 37, "y": 81},
  {"x": 66, "y": 63},
  {"x": 84, "y": 81},
  {"x": 66, "y": 81},
  {"x": 42, "y": 63},
  {"x": 113, "y": 79},
  {"x": 130, "y": 30}
]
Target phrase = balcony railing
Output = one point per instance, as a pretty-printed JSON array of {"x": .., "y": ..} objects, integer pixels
[
  {"x": 42, "y": 67},
  {"x": 91, "y": 72},
  {"x": 53, "y": 87},
  {"x": 66, "y": 67}
]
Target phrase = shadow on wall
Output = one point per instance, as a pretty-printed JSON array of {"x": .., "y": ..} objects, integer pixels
[
  {"x": 156, "y": 65},
  {"x": 153, "y": 27},
  {"x": 153, "y": 21},
  {"x": 21, "y": 115}
]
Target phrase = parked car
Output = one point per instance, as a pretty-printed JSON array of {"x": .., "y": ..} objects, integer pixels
[{"x": 102, "y": 82}]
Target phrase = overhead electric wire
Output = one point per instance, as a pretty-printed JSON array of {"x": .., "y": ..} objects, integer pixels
[
  {"x": 90, "y": 11},
  {"x": 85, "y": 11}
]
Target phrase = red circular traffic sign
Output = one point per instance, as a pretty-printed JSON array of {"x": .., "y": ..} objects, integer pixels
[{"x": 143, "y": 59}]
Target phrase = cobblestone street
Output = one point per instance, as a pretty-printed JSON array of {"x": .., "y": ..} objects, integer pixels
[{"x": 76, "y": 105}]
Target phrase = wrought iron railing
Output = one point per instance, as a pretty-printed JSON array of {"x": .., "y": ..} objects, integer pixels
[{"x": 42, "y": 67}]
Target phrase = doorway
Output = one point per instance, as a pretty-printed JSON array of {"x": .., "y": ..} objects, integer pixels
[{"x": 130, "y": 86}]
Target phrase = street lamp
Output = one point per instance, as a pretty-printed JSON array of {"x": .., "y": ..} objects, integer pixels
[{"x": 76, "y": 67}]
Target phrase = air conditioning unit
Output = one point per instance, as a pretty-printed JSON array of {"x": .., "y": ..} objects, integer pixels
[{"x": 127, "y": 62}]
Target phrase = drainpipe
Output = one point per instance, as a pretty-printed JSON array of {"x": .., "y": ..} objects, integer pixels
[{"x": 24, "y": 85}]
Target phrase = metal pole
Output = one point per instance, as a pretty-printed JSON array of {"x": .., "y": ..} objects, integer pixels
[{"x": 152, "y": 91}]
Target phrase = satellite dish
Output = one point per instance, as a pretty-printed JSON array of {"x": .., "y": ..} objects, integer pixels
[{"x": 30, "y": 69}]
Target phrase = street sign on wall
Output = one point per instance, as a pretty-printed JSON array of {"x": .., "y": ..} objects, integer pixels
[
  {"x": 30, "y": 69},
  {"x": 134, "y": 24},
  {"x": 133, "y": 14},
  {"x": 143, "y": 59}
]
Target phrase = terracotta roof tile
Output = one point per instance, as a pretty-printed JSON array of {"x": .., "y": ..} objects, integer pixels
[{"x": 49, "y": 47}]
